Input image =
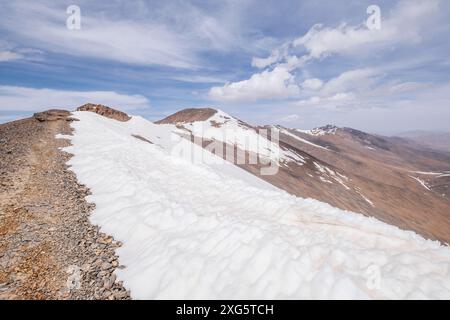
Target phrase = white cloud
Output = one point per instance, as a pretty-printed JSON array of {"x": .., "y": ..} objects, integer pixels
[
  {"x": 214, "y": 32},
  {"x": 261, "y": 63},
  {"x": 406, "y": 23},
  {"x": 290, "y": 118},
  {"x": 368, "y": 89},
  {"x": 278, "y": 83},
  {"x": 408, "y": 87},
  {"x": 9, "y": 56},
  {"x": 169, "y": 35},
  {"x": 28, "y": 54},
  {"x": 352, "y": 80},
  {"x": 121, "y": 41},
  {"x": 196, "y": 78},
  {"x": 341, "y": 90},
  {"x": 7, "y": 53},
  {"x": 403, "y": 25},
  {"x": 312, "y": 84},
  {"x": 32, "y": 99},
  {"x": 320, "y": 41},
  {"x": 335, "y": 100}
]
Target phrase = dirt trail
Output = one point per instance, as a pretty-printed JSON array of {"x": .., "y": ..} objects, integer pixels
[{"x": 48, "y": 248}]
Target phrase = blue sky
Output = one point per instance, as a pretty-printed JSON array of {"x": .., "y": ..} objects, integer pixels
[{"x": 297, "y": 63}]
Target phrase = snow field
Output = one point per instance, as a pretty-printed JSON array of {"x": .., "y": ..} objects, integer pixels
[{"x": 192, "y": 231}]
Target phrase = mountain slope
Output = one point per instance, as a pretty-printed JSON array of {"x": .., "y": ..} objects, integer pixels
[
  {"x": 212, "y": 230},
  {"x": 347, "y": 168}
]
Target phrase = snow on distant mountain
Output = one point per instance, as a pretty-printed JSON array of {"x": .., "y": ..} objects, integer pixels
[
  {"x": 297, "y": 137},
  {"x": 320, "y": 131},
  {"x": 220, "y": 126},
  {"x": 200, "y": 230}
]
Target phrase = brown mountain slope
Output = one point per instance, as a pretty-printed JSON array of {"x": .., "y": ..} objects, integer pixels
[
  {"x": 188, "y": 115},
  {"x": 386, "y": 178}
]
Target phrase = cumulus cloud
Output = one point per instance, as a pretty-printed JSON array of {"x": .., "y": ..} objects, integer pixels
[
  {"x": 278, "y": 83},
  {"x": 344, "y": 89},
  {"x": 404, "y": 25},
  {"x": 351, "y": 80},
  {"x": 31, "y": 99}
]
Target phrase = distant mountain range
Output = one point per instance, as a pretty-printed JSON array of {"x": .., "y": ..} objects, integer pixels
[{"x": 434, "y": 140}]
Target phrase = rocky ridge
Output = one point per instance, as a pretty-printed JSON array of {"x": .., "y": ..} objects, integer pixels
[{"x": 49, "y": 249}]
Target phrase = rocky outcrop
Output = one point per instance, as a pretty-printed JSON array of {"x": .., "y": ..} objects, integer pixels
[
  {"x": 52, "y": 115},
  {"x": 105, "y": 111}
]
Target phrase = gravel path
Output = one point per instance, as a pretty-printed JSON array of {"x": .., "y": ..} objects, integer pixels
[{"x": 48, "y": 248}]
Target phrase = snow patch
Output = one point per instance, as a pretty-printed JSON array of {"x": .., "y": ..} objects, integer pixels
[
  {"x": 321, "y": 131},
  {"x": 422, "y": 183},
  {"x": 437, "y": 174},
  {"x": 427, "y": 173},
  {"x": 358, "y": 191},
  {"x": 286, "y": 132},
  {"x": 336, "y": 176}
]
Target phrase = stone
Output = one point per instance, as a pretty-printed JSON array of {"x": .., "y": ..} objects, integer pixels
[
  {"x": 109, "y": 282},
  {"x": 119, "y": 295},
  {"x": 105, "y": 266}
]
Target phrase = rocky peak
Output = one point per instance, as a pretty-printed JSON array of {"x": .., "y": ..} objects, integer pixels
[{"x": 105, "y": 111}]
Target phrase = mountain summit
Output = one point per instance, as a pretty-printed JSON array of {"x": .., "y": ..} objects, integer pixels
[{"x": 188, "y": 115}]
